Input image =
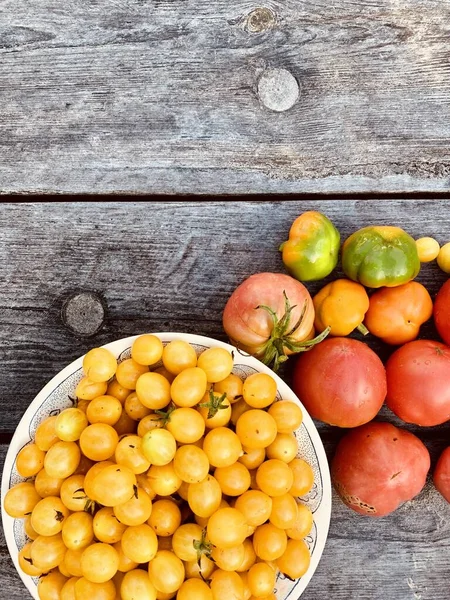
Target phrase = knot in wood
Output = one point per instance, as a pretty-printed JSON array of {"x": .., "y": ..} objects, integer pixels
[
  {"x": 259, "y": 20},
  {"x": 278, "y": 89},
  {"x": 83, "y": 313}
]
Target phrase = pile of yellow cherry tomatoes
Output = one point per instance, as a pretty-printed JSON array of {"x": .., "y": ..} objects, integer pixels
[{"x": 172, "y": 477}]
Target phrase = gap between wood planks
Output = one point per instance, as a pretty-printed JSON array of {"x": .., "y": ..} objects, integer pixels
[{"x": 144, "y": 197}]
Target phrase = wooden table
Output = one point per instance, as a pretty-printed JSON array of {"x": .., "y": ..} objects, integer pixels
[
  {"x": 171, "y": 266},
  {"x": 177, "y": 96}
]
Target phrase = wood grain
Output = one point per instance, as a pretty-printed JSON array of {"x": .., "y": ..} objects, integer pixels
[
  {"x": 160, "y": 96},
  {"x": 171, "y": 266}
]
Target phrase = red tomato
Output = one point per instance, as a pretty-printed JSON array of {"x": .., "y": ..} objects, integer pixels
[
  {"x": 441, "y": 475},
  {"x": 250, "y": 326},
  {"x": 341, "y": 381},
  {"x": 377, "y": 467},
  {"x": 418, "y": 382},
  {"x": 441, "y": 312}
]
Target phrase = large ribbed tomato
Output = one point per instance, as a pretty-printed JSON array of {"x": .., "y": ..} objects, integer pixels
[
  {"x": 270, "y": 315},
  {"x": 377, "y": 467},
  {"x": 341, "y": 382}
]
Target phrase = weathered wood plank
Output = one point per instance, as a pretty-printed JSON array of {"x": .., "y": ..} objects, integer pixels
[
  {"x": 160, "y": 97},
  {"x": 172, "y": 266}
]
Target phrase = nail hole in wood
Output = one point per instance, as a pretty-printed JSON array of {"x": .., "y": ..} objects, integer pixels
[
  {"x": 278, "y": 90},
  {"x": 84, "y": 313}
]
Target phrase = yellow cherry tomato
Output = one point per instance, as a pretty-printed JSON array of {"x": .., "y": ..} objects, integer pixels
[
  {"x": 227, "y": 527},
  {"x": 295, "y": 560},
  {"x": 303, "y": 523},
  {"x": 147, "y": 349},
  {"x": 274, "y": 477},
  {"x": 30, "y": 460},
  {"x": 303, "y": 477},
  {"x": 216, "y": 362},
  {"x": 163, "y": 480},
  {"x": 189, "y": 387},
  {"x": 165, "y": 517},
  {"x": 166, "y": 571},
  {"x": 255, "y": 505},
  {"x": 231, "y": 386},
  {"x": 256, "y": 428},
  {"x": 140, "y": 543},
  {"x": 153, "y": 390},
  {"x": 427, "y": 249},
  {"x": 136, "y": 585},
  {"x": 259, "y": 390},
  {"x": 99, "y": 365},
  {"x": 178, "y": 355},
  {"x": 443, "y": 259}
]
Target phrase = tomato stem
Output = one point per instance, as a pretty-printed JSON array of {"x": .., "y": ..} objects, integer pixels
[
  {"x": 362, "y": 329},
  {"x": 281, "y": 339}
]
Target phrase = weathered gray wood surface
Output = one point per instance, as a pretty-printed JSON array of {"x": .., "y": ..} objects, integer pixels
[
  {"x": 171, "y": 266},
  {"x": 161, "y": 96}
]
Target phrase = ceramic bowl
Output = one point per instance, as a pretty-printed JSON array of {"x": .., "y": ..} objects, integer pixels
[{"x": 57, "y": 394}]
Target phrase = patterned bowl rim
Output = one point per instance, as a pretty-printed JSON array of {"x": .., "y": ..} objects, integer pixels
[{"x": 286, "y": 589}]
